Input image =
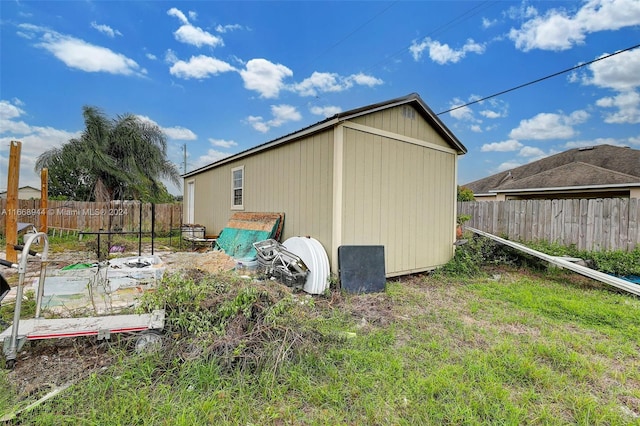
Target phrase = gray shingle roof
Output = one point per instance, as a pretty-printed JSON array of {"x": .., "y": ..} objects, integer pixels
[{"x": 598, "y": 165}]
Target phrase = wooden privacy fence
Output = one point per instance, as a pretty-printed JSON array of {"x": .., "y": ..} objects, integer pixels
[
  {"x": 589, "y": 224},
  {"x": 91, "y": 216}
]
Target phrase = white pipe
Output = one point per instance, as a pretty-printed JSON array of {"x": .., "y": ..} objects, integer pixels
[{"x": 588, "y": 272}]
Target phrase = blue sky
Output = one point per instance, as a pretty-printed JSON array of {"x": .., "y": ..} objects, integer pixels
[{"x": 221, "y": 77}]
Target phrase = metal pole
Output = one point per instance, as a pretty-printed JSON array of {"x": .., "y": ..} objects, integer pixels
[
  {"x": 140, "y": 232},
  {"x": 153, "y": 225}
]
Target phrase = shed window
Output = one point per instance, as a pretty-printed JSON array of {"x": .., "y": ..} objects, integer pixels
[{"x": 237, "y": 187}]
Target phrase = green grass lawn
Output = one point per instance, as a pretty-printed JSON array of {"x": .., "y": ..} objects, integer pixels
[{"x": 508, "y": 347}]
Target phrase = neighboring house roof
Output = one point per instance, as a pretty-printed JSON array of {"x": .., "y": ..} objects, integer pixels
[
  {"x": 598, "y": 166},
  {"x": 412, "y": 99},
  {"x": 23, "y": 188}
]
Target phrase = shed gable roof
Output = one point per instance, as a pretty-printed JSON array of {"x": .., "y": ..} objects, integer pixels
[
  {"x": 593, "y": 166},
  {"x": 413, "y": 99}
]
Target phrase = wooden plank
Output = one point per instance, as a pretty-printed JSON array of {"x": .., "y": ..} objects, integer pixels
[
  {"x": 634, "y": 224},
  {"x": 606, "y": 223},
  {"x": 623, "y": 224},
  {"x": 11, "y": 228}
]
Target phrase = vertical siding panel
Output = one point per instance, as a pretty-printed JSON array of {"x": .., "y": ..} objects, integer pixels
[
  {"x": 376, "y": 183},
  {"x": 425, "y": 208},
  {"x": 351, "y": 172},
  {"x": 326, "y": 183},
  {"x": 417, "y": 194},
  {"x": 367, "y": 189},
  {"x": 394, "y": 201},
  {"x": 361, "y": 186},
  {"x": 404, "y": 215},
  {"x": 399, "y": 216},
  {"x": 385, "y": 206}
]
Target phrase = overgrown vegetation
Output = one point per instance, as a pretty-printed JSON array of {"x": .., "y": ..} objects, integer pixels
[
  {"x": 617, "y": 262},
  {"x": 479, "y": 252},
  {"x": 493, "y": 337}
]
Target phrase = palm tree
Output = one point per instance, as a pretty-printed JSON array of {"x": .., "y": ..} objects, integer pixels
[{"x": 120, "y": 158}]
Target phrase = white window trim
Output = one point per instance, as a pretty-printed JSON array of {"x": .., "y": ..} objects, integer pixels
[
  {"x": 191, "y": 202},
  {"x": 233, "y": 198}
]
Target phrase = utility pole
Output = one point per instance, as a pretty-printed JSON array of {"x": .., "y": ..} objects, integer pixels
[{"x": 184, "y": 159}]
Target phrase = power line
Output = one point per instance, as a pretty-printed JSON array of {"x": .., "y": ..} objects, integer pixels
[
  {"x": 343, "y": 39},
  {"x": 539, "y": 79}
]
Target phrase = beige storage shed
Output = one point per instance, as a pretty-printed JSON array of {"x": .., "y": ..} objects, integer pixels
[{"x": 384, "y": 174}]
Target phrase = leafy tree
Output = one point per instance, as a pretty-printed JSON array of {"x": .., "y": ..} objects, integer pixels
[
  {"x": 465, "y": 194},
  {"x": 121, "y": 158}
]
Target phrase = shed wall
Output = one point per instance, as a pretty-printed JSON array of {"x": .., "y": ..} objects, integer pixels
[
  {"x": 295, "y": 178},
  {"x": 400, "y": 195},
  {"x": 404, "y": 120}
]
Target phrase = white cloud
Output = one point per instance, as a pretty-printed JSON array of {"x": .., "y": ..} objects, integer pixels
[
  {"x": 193, "y": 35},
  {"x": 284, "y": 113},
  {"x": 151, "y": 56},
  {"x": 326, "y": 111},
  {"x": 179, "y": 133},
  {"x": 508, "y": 165},
  {"x": 105, "y": 29},
  {"x": 281, "y": 114},
  {"x": 176, "y": 132},
  {"x": 593, "y": 142},
  {"x": 35, "y": 139},
  {"x": 634, "y": 141},
  {"x": 476, "y": 128},
  {"x": 620, "y": 72},
  {"x": 199, "y": 67},
  {"x": 488, "y": 23},
  {"x": 442, "y": 53},
  {"x": 257, "y": 122},
  {"x": 323, "y": 82},
  {"x": 211, "y": 156},
  {"x": 9, "y": 111},
  {"x": 558, "y": 29},
  {"x": 170, "y": 57},
  {"x": 265, "y": 77},
  {"x": 178, "y": 14},
  {"x": 222, "y": 143},
  {"x": 79, "y": 54},
  {"x": 229, "y": 27},
  {"x": 365, "y": 80},
  {"x": 532, "y": 151},
  {"x": 505, "y": 146},
  {"x": 490, "y": 114},
  {"x": 628, "y": 105},
  {"x": 319, "y": 82},
  {"x": 549, "y": 126},
  {"x": 464, "y": 113},
  {"x": 189, "y": 34}
]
